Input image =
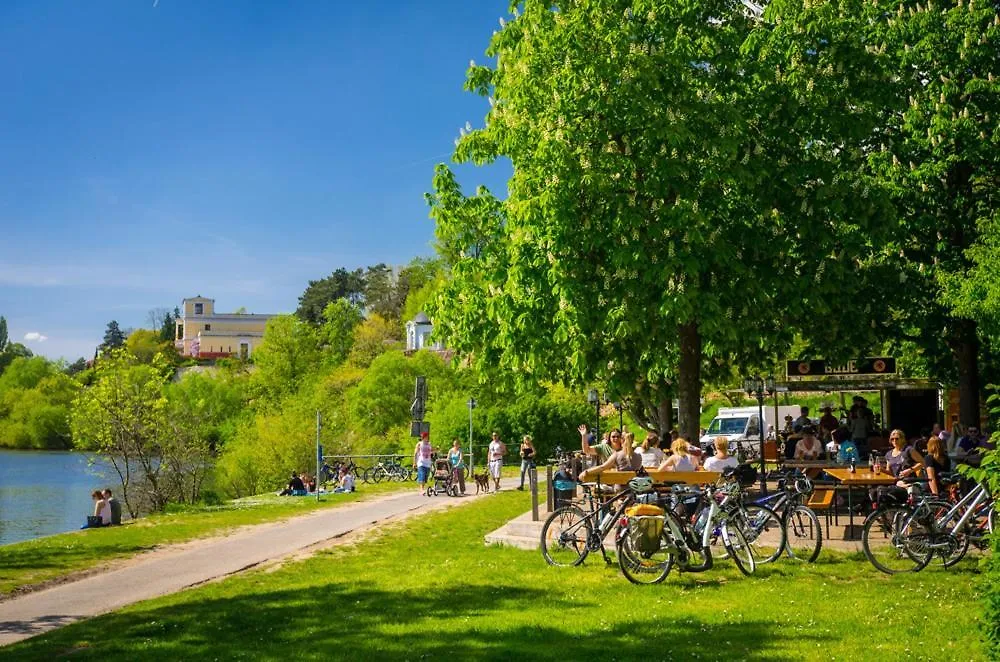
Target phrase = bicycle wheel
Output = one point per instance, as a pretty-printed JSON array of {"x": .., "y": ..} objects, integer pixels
[
  {"x": 366, "y": 475},
  {"x": 643, "y": 566},
  {"x": 565, "y": 535},
  {"x": 764, "y": 532},
  {"x": 894, "y": 543},
  {"x": 738, "y": 548},
  {"x": 803, "y": 533},
  {"x": 378, "y": 473},
  {"x": 958, "y": 539}
]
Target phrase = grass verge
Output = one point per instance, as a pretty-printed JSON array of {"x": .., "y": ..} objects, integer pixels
[
  {"x": 428, "y": 588},
  {"x": 34, "y": 562}
]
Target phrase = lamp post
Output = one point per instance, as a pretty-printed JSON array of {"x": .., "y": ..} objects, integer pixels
[
  {"x": 759, "y": 388},
  {"x": 594, "y": 399},
  {"x": 472, "y": 405},
  {"x": 620, "y": 406}
]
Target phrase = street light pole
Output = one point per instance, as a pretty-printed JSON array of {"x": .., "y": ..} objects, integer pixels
[{"x": 760, "y": 388}]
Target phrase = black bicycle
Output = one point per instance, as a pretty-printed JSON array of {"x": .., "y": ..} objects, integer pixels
[{"x": 570, "y": 533}]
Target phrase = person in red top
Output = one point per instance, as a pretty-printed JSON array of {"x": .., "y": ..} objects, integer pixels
[{"x": 423, "y": 455}]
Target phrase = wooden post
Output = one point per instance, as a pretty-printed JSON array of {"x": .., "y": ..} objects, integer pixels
[
  {"x": 550, "y": 494},
  {"x": 533, "y": 482}
]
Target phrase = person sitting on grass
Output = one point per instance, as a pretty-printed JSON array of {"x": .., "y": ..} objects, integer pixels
[
  {"x": 680, "y": 459},
  {"x": 722, "y": 459},
  {"x": 116, "y": 506},
  {"x": 102, "y": 512},
  {"x": 346, "y": 482},
  {"x": 295, "y": 486}
]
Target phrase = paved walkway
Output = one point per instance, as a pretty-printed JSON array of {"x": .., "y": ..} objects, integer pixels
[{"x": 180, "y": 566}]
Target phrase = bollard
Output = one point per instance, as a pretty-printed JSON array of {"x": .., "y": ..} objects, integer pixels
[
  {"x": 550, "y": 496},
  {"x": 533, "y": 481}
]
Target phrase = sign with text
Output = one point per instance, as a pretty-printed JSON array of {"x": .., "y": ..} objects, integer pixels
[{"x": 878, "y": 365}]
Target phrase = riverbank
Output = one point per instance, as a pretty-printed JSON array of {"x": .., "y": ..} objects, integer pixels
[
  {"x": 34, "y": 564},
  {"x": 428, "y": 588}
]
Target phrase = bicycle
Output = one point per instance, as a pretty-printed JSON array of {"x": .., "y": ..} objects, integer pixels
[
  {"x": 570, "y": 534},
  {"x": 390, "y": 469},
  {"x": 802, "y": 536},
  {"x": 687, "y": 546},
  {"x": 921, "y": 527}
]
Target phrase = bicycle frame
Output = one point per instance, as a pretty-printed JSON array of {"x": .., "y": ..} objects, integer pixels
[{"x": 971, "y": 502}]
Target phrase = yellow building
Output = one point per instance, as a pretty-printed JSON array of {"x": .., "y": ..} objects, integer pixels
[{"x": 203, "y": 333}]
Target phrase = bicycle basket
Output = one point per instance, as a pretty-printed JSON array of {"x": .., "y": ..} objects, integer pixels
[
  {"x": 564, "y": 485},
  {"x": 645, "y": 532},
  {"x": 641, "y": 485}
]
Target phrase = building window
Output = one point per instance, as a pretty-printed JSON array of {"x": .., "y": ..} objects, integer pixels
[
  {"x": 199, "y": 308},
  {"x": 208, "y": 327},
  {"x": 230, "y": 349}
]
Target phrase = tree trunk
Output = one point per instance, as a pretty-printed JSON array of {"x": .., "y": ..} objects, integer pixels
[
  {"x": 964, "y": 344},
  {"x": 689, "y": 381},
  {"x": 666, "y": 415}
]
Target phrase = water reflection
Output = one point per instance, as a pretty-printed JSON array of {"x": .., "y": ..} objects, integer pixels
[{"x": 46, "y": 492}]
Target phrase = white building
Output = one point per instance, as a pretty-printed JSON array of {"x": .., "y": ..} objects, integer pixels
[{"x": 418, "y": 334}]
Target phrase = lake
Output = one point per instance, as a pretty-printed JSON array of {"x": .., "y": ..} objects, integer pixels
[{"x": 46, "y": 492}]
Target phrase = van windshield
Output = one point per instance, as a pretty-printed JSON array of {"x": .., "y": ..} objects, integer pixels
[{"x": 727, "y": 425}]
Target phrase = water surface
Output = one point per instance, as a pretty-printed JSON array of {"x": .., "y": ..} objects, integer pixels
[{"x": 46, "y": 492}]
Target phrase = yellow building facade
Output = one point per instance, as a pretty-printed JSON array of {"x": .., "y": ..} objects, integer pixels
[{"x": 203, "y": 333}]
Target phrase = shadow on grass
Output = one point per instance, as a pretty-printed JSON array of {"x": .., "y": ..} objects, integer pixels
[{"x": 343, "y": 621}]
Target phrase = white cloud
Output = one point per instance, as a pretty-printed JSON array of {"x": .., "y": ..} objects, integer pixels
[{"x": 35, "y": 336}]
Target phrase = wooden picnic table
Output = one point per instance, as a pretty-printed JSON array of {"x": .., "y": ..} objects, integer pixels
[
  {"x": 612, "y": 477},
  {"x": 866, "y": 477},
  {"x": 811, "y": 468}
]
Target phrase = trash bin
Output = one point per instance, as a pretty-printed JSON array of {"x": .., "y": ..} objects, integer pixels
[{"x": 563, "y": 488}]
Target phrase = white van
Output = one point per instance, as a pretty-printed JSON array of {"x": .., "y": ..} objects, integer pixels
[{"x": 740, "y": 424}]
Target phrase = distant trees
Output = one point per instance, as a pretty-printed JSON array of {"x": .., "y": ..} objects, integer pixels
[
  {"x": 114, "y": 337},
  {"x": 380, "y": 289},
  {"x": 153, "y": 436},
  {"x": 341, "y": 284},
  {"x": 35, "y": 399}
]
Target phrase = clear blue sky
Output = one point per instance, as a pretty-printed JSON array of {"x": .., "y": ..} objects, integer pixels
[{"x": 152, "y": 150}]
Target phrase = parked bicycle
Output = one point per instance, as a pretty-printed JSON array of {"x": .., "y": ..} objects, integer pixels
[
  {"x": 570, "y": 533},
  {"x": 688, "y": 545},
  {"x": 782, "y": 522},
  {"x": 907, "y": 529},
  {"x": 390, "y": 469}
]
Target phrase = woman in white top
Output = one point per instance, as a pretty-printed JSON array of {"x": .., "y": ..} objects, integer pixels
[
  {"x": 808, "y": 447},
  {"x": 102, "y": 508},
  {"x": 680, "y": 460},
  {"x": 722, "y": 459},
  {"x": 650, "y": 451}
]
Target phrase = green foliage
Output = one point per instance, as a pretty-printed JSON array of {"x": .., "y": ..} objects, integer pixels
[
  {"x": 372, "y": 338},
  {"x": 341, "y": 284},
  {"x": 660, "y": 193},
  {"x": 35, "y": 398},
  {"x": 340, "y": 320},
  {"x": 286, "y": 358},
  {"x": 114, "y": 337},
  {"x": 145, "y": 344}
]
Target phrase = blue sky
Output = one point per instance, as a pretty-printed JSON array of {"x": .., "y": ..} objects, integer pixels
[{"x": 152, "y": 150}]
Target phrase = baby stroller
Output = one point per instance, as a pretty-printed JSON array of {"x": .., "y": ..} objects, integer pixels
[{"x": 444, "y": 482}]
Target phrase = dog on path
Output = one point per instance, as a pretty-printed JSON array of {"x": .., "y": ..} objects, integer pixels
[{"x": 482, "y": 482}]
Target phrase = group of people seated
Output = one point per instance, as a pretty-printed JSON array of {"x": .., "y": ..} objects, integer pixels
[
  {"x": 620, "y": 452},
  {"x": 107, "y": 510},
  {"x": 299, "y": 485}
]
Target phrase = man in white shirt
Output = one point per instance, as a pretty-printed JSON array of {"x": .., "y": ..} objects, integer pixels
[{"x": 495, "y": 454}]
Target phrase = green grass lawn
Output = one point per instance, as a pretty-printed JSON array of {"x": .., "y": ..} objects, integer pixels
[
  {"x": 37, "y": 561},
  {"x": 428, "y": 588}
]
